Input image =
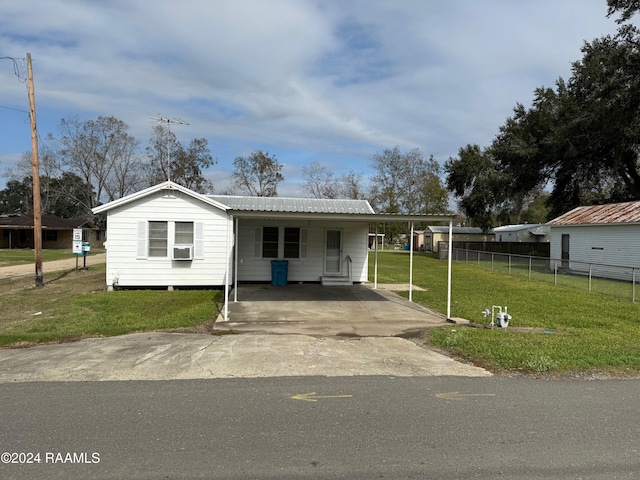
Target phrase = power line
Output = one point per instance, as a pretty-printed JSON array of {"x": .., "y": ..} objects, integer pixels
[{"x": 16, "y": 68}]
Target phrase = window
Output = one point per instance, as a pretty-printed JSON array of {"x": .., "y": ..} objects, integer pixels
[
  {"x": 50, "y": 235},
  {"x": 184, "y": 233},
  {"x": 270, "y": 242},
  {"x": 157, "y": 239},
  {"x": 280, "y": 242},
  {"x": 291, "y": 243}
]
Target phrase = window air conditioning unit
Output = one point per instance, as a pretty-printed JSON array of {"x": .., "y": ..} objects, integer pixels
[{"x": 183, "y": 253}]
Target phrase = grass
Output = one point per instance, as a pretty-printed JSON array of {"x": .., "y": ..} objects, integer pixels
[
  {"x": 555, "y": 329},
  {"x": 74, "y": 305},
  {"x": 21, "y": 256}
]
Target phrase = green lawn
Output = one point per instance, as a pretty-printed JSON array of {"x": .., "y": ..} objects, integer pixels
[
  {"x": 554, "y": 328},
  {"x": 74, "y": 305},
  {"x": 19, "y": 256}
]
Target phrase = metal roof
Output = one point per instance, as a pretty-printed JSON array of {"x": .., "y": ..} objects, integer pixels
[
  {"x": 458, "y": 230},
  {"x": 293, "y": 205},
  {"x": 516, "y": 228},
  {"x": 628, "y": 212}
]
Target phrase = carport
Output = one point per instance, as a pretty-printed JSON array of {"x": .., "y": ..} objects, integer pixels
[{"x": 372, "y": 219}]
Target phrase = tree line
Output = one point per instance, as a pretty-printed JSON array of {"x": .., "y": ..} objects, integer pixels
[{"x": 91, "y": 162}]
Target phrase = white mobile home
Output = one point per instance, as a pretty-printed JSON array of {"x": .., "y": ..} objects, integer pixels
[
  {"x": 169, "y": 236},
  {"x": 605, "y": 236},
  {"x": 536, "y": 232}
]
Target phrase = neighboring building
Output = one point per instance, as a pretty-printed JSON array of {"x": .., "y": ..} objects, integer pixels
[
  {"x": 170, "y": 236},
  {"x": 537, "y": 232},
  {"x": 428, "y": 240},
  {"x": 598, "y": 234},
  {"x": 57, "y": 233}
]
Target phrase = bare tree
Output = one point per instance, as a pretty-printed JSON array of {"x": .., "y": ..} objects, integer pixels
[
  {"x": 258, "y": 174},
  {"x": 101, "y": 152},
  {"x": 186, "y": 165},
  {"x": 319, "y": 181},
  {"x": 405, "y": 182},
  {"x": 352, "y": 186}
]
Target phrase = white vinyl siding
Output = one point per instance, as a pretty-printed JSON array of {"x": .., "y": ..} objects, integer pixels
[
  {"x": 128, "y": 263},
  {"x": 287, "y": 243},
  {"x": 599, "y": 244},
  {"x": 309, "y": 266}
]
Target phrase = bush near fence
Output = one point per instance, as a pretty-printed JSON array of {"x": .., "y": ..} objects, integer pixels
[{"x": 614, "y": 280}]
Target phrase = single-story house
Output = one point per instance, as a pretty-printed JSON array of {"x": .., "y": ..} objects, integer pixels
[
  {"x": 534, "y": 232},
  {"x": 600, "y": 235},
  {"x": 428, "y": 240},
  {"x": 169, "y": 236},
  {"x": 57, "y": 232}
]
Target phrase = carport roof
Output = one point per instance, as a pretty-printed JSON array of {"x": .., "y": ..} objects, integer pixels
[{"x": 314, "y": 208}]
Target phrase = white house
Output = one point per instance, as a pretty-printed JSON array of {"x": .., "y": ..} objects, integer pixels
[
  {"x": 169, "y": 236},
  {"x": 534, "y": 232},
  {"x": 600, "y": 235}
]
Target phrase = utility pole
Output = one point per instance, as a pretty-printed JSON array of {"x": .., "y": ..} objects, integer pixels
[{"x": 37, "y": 214}]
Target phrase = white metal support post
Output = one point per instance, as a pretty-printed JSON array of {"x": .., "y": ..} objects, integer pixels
[
  {"x": 449, "y": 269},
  {"x": 411, "y": 264},
  {"x": 235, "y": 271},
  {"x": 375, "y": 261},
  {"x": 226, "y": 275}
]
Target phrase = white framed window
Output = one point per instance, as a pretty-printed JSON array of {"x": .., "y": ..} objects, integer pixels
[
  {"x": 183, "y": 233},
  {"x": 158, "y": 236},
  {"x": 289, "y": 243}
]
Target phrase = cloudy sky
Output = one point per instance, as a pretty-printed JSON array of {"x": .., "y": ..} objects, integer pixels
[{"x": 332, "y": 81}]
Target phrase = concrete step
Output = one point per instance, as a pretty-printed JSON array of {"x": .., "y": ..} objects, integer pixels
[{"x": 336, "y": 281}]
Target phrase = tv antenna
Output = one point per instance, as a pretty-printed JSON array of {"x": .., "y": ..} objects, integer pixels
[{"x": 162, "y": 120}]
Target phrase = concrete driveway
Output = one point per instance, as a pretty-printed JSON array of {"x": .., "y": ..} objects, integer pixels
[
  {"x": 312, "y": 309},
  {"x": 296, "y": 330}
]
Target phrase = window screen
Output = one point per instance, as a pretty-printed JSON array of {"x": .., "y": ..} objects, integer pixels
[
  {"x": 270, "y": 242},
  {"x": 291, "y": 243},
  {"x": 157, "y": 239},
  {"x": 184, "y": 233}
]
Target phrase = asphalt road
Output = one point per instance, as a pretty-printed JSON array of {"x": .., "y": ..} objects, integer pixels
[{"x": 357, "y": 428}]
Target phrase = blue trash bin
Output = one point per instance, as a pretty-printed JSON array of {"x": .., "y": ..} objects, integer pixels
[{"x": 279, "y": 273}]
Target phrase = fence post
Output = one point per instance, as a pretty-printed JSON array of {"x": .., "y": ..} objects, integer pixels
[
  {"x": 509, "y": 264},
  {"x": 555, "y": 272},
  {"x": 590, "y": 265},
  {"x": 492, "y": 254},
  {"x": 530, "y": 258},
  {"x": 633, "y": 286}
]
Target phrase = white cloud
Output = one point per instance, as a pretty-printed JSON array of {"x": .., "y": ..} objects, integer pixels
[{"x": 307, "y": 80}]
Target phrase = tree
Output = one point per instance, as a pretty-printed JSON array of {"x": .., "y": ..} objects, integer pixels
[
  {"x": 405, "y": 182},
  {"x": 319, "y": 181},
  {"x": 186, "y": 165},
  {"x": 101, "y": 152},
  {"x": 473, "y": 178},
  {"x": 258, "y": 174},
  {"x": 17, "y": 197},
  {"x": 66, "y": 196},
  {"x": 351, "y": 186},
  {"x": 626, "y": 9}
]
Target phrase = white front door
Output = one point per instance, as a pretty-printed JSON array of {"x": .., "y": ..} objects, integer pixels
[{"x": 333, "y": 252}]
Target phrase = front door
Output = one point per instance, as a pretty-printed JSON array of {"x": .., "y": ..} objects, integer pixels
[{"x": 333, "y": 252}]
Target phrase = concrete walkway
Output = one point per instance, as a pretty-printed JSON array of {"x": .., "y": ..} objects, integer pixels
[{"x": 297, "y": 331}]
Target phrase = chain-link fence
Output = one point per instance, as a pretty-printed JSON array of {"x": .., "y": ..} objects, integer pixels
[{"x": 614, "y": 280}]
